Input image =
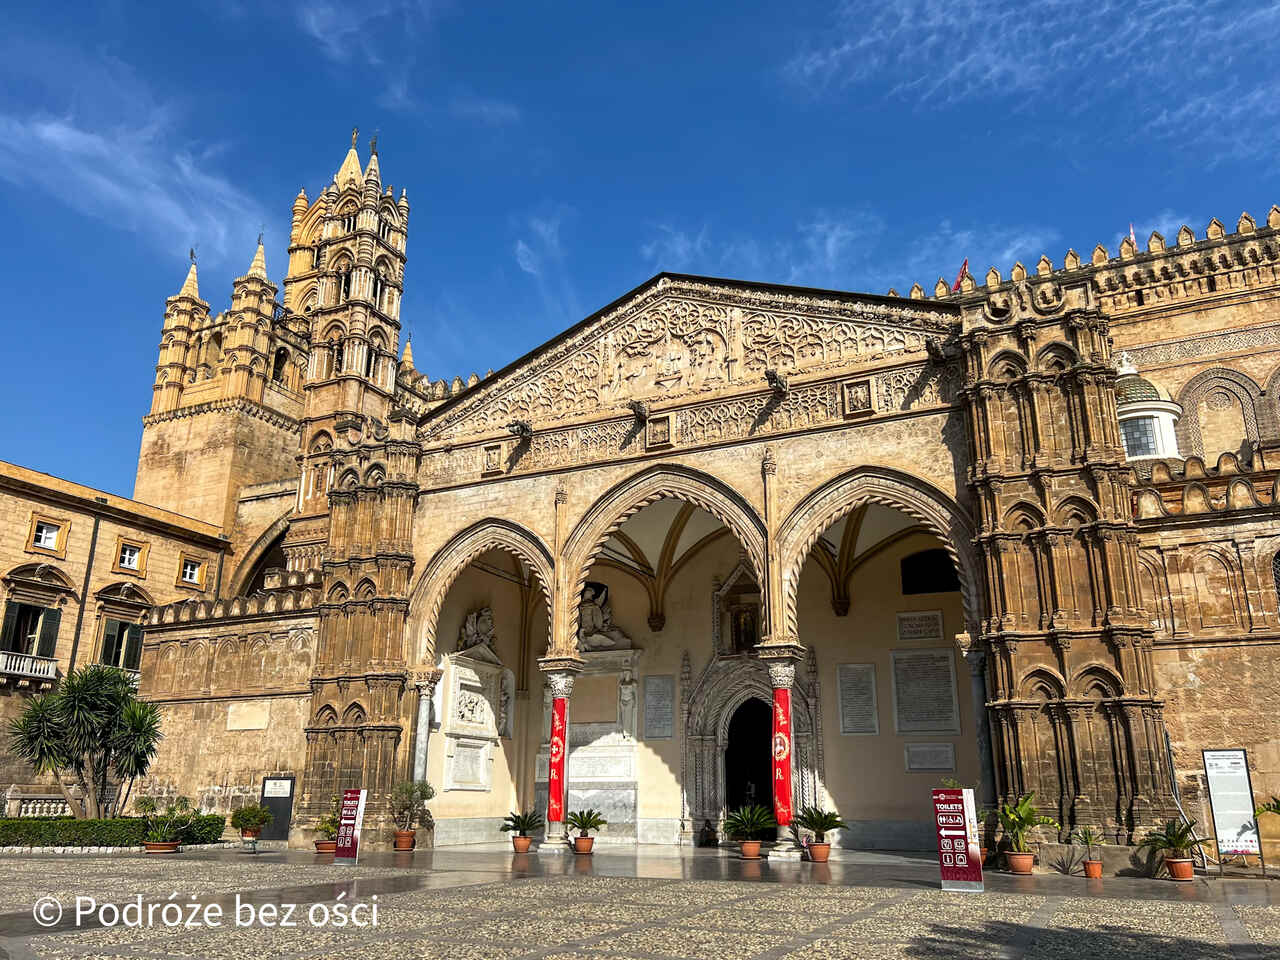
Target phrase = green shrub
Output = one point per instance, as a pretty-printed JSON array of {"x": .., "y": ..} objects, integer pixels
[{"x": 119, "y": 832}]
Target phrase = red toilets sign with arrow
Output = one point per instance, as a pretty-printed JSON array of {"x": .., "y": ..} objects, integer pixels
[{"x": 959, "y": 856}]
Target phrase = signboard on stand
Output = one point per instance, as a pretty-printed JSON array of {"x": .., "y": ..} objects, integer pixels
[
  {"x": 350, "y": 819},
  {"x": 1235, "y": 826},
  {"x": 955, "y": 821}
]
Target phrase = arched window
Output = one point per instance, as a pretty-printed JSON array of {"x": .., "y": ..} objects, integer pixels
[
  {"x": 280, "y": 365},
  {"x": 337, "y": 356},
  {"x": 344, "y": 284},
  {"x": 317, "y": 257},
  {"x": 370, "y": 358},
  {"x": 379, "y": 287},
  {"x": 349, "y": 221}
]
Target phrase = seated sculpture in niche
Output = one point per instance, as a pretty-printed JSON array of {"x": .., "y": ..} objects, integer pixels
[
  {"x": 477, "y": 629},
  {"x": 596, "y": 630}
]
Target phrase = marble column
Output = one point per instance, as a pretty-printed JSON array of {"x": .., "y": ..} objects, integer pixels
[
  {"x": 560, "y": 676},
  {"x": 781, "y": 659},
  {"x": 425, "y": 684}
]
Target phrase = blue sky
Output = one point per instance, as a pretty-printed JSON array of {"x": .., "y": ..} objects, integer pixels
[{"x": 557, "y": 155}]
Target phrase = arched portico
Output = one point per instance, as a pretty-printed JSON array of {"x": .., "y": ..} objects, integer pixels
[
  {"x": 838, "y": 497},
  {"x": 449, "y": 561},
  {"x": 664, "y": 481}
]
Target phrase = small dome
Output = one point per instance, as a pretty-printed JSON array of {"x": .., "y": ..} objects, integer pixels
[{"x": 1131, "y": 388}]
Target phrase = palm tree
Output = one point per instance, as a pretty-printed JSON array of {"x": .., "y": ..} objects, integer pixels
[{"x": 93, "y": 728}]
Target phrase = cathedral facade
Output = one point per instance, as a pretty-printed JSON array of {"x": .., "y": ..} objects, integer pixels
[{"x": 1022, "y": 534}]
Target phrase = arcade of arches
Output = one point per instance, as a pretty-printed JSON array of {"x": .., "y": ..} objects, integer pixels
[{"x": 1020, "y": 533}]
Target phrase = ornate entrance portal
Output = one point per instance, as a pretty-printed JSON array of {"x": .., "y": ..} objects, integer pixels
[
  {"x": 722, "y": 735},
  {"x": 747, "y": 768}
]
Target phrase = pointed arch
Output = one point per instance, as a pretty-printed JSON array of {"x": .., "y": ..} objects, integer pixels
[
  {"x": 659, "y": 482},
  {"x": 243, "y": 575},
  {"x": 428, "y": 595},
  {"x": 841, "y": 495}
]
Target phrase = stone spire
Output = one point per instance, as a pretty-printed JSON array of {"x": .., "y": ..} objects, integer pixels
[
  {"x": 372, "y": 171},
  {"x": 258, "y": 268},
  {"x": 350, "y": 169},
  {"x": 190, "y": 286},
  {"x": 407, "y": 359}
]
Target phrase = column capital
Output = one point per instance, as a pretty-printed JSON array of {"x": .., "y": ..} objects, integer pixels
[
  {"x": 426, "y": 680},
  {"x": 560, "y": 673},
  {"x": 781, "y": 655}
]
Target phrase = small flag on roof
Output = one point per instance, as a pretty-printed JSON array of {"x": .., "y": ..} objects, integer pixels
[{"x": 964, "y": 268}]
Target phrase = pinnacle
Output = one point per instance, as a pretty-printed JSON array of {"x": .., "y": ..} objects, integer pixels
[
  {"x": 350, "y": 169},
  {"x": 258, "y": 268},
  {"x": 408, "y": 352},
  {"x": 190, "y": 286}
]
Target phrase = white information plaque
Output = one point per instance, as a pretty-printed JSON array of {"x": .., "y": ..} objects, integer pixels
[{"x": 1231, "y": 800}]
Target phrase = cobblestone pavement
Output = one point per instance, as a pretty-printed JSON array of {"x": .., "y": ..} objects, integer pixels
[{"x": 469, "y": 908}]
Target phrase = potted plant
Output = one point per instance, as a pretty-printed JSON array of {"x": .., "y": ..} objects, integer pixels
[
  {"x": 250, "y": 819},
  {"x": 1175, "y": 842},
  {"x": 584, "y": 821},
  {"x": 1090, "y": 838},
  {"x": 746, "y": 824},
  {"x": 1018, "y": 820},
  {"x": 519, "y": 825},
  {"x": 408, "y": 809},
  {"x": 327, "y": 830},
  {"x": 819, "y": 822},
  {"x": 165, "y": 830}
]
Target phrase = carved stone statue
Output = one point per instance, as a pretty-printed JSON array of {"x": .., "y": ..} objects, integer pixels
[
  {"x": 507, "y": 704},
  {"x": 595, "y": 621},
  {"x": 477, "y": 629},
  {"x": 627, "y": 704}
]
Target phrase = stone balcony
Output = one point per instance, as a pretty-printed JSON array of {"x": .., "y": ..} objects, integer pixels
[{"x": 26, "y": 669}]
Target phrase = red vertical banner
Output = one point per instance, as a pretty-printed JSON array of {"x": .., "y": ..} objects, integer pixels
[
  {"x": 782, "y": 755},
  {"x": 555, "y": 772}
]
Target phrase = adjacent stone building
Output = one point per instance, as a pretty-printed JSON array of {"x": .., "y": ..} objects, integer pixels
[{"x": 1023, "y": 534}]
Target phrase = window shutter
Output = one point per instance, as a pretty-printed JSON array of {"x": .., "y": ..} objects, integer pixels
[
  {"x": 49, "y": 632},
  {"x": 111, "y": 643},
  {"x": 133, "y": 648},
  {"x": 7, "y": 638}
]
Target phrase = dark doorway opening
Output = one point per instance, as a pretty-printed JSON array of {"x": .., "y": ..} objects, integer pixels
[{"x": 748, "y": 764}]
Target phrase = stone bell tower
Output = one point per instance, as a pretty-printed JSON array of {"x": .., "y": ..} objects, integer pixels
[
  {"x": 226, "y": 401},
  {"x": 359, "y": 462}
]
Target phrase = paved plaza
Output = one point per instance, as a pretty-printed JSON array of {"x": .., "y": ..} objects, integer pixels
[{"x": 471, "y": 905}]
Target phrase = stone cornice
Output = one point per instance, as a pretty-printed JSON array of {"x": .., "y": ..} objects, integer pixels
[{"x": 230, "y": 404}]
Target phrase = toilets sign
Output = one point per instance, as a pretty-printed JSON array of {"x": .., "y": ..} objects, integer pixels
[{"x": 956, "y": 824}]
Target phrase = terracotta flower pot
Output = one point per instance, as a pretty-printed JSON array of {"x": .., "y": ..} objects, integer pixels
[
  {"x": 1020, "y": 863},
  {"x": 160, "y": 846},
  {"x": 1093, "y": 869},
  {"x": 405, "y": 839},
  {"x": 819, "y": 852},
  {"x": 583, "y": 844},
  {"x": 750, "y": 849},
  {"x": 983, "y": 853},
  {"x": 250, "y": 834},
  {"x": 1180, "y": 869},
  {"x": 521, "y": 844},
  {"x": 326, "y": 846}
]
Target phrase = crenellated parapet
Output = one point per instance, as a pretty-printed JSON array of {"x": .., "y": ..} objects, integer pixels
[
  {"x": 299, "y": 591},
  {"x": 1128, "y": 281},
  {"x": 1187, "y": 488}
]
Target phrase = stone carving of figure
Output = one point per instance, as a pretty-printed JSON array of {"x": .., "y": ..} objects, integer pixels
[
  {"x": 477, "y": 629},
  {"x": 506, "y": 704},
  {"x": 627, "y": 705},
  {"x": 595, "y": 621}
]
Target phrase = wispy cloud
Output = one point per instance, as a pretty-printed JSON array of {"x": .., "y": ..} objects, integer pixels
[
  {"x": 1169, "y": 67},
  {"x": 359, "y": 33},
  {"x": 485, "y": 110},
  {"x": 540, "y": 253},
  {"x": 847, "y": 251},
  {"x": 112, "y": 151}
]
